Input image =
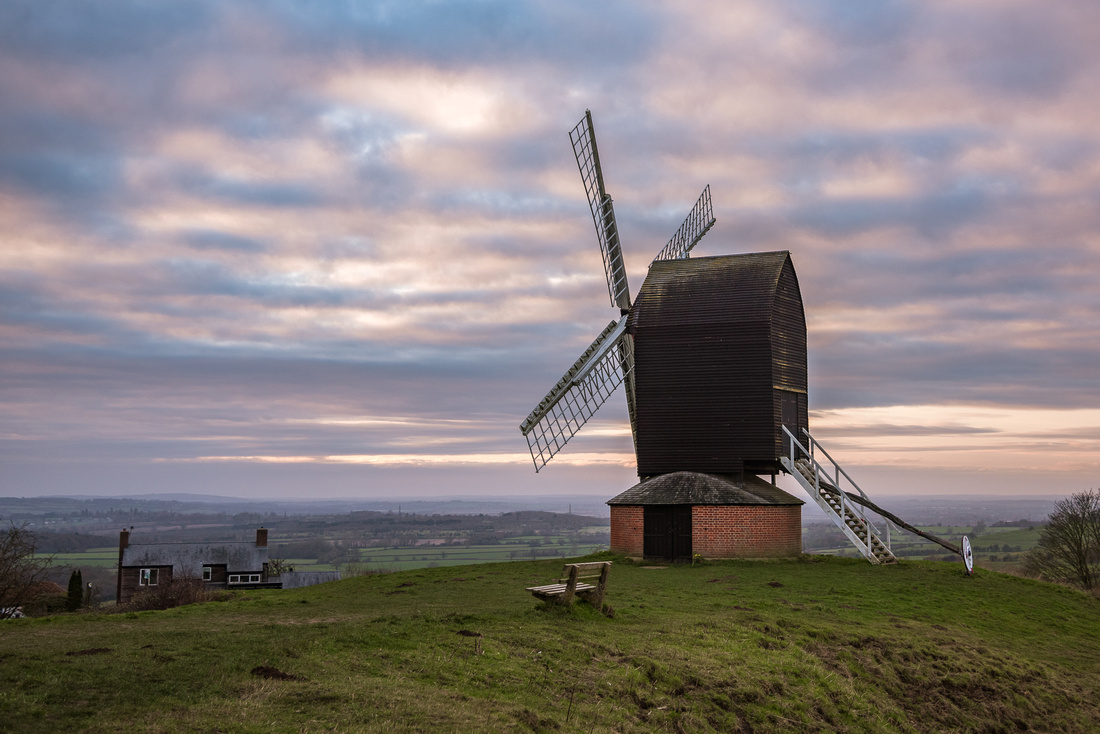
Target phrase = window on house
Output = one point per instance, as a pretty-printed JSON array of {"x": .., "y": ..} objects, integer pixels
[
  {"x": 207, "y": 573},
  {"x": 148, "y": 577},
  {"x": 244, "y": 578}
]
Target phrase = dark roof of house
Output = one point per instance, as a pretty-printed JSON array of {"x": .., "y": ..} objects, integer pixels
[
  {"x": 191, "y": 557},
  {"x": 694, "y": 488}
]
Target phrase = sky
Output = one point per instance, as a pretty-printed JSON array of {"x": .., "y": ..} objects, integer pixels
[{"x": 341, "y": 249}]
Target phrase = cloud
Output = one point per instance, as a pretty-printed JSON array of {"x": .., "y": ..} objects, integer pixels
[{"x": 263, "y": 226}]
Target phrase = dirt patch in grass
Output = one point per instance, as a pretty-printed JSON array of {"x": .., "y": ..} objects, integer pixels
[
  {"x": 90, "y": 651},
  {"x": 955, "y": 686},
  {"x": 266, "y": 671},
  {"x": 536, "y": 722}
]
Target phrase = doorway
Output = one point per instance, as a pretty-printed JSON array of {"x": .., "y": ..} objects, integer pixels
[{"x": 667, "y": 532}]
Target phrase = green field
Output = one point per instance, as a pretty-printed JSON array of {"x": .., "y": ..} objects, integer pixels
[
  {"x": 995, "y": 548},
  {"x": 388, "y": 559},
  {"x": 819, "y": 644},
  {"x": 425, "y": 556},
  {"x": 98, "y": 557}
]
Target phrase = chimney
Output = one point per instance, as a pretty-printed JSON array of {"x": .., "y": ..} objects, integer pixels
[
  {"x": 123, "y": 544},
  {"x": 261, "y": 538}
]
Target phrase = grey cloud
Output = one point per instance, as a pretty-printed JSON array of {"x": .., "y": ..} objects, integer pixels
[
  {"x": 889, "y": 277},
  {"x": 478, "y": 32},
  {"x": 509, "y": 204},
  {"x": 1015, "y": 50},
  {"x": 348, "y": 248},
  {"x": 820, "y": 147},
  {"x": 205, "y": 277},
  {"x": 872, "y": 371},
  {"x": 28, "y": 129},
  {"x": 206, "y": 239},
  {"x": 29, "y": 302},
  {"x": 97, "y": 30},
  {"x": 933, "y": 215},
  {"x": 890, "y": 429},
  {"x": 60, "y": 176},
  {"x": 255, "y": 193},
  {"x": 859, "y": 23},
  {"x": 116, "y": 337}
]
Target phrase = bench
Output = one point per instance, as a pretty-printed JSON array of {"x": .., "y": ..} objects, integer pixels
[{"x": 571, "y": 585}]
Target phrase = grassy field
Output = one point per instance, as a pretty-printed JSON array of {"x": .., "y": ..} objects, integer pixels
[
  {"x": 996, "y": 548},
  {"x": 97, "y": 557},
  {"x": 388, "y": 559},
  {"x": 426, "y": 556},
  {"x": 820, "y": 644}
]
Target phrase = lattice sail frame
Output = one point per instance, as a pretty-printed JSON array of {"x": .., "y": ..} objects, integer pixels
[
  {"x": 699, "y": 220},
  {"x": 609, "y": 360},
  {"x": 583, "y": 138},
  {"x": 576, "y": 397}
]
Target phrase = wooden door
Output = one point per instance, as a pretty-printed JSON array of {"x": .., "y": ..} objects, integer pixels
[{"x": 667, "y": 531}]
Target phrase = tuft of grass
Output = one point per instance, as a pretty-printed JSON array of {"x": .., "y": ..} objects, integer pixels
[{"x": 816, "y": 644}]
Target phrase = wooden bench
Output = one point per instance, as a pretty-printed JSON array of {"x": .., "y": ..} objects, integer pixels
[{"x": 571, "y": 585}]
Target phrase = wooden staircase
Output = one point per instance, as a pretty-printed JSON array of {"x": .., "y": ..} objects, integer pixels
[{"x": 834, "y": 502}]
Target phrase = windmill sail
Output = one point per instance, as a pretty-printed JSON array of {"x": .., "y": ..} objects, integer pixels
[
  {"x": 609, "y": 361},
  {"x": 699, "y": 220},
  {"x": 583, "y": 137},
  {"x": 579, "y": 393}
]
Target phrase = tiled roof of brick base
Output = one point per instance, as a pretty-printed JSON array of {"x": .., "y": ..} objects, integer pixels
[{"x": 693, "y": 488}]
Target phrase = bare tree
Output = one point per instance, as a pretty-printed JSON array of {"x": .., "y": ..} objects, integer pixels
[
  {"x": 276, "y": 566},
  {"x": 1069, "y": 546},
  {"x": 20, "y": 569}
]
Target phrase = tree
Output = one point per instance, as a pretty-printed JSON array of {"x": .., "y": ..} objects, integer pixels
[
  {"x": 276, "y": 566},
  {"x": 20, "y": 569},
  {"x": 1069, "y": 545},
  {"x": 76, "y": 591}
]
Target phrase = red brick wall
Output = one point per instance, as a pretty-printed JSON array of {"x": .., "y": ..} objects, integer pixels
[
  {"x": 720, "y": 531},
  {"x": 626, "y": 530},
  {"x": 746, "y": 532}
]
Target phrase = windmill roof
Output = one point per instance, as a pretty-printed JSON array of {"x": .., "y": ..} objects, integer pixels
[
  {"x": 698, "y": 290},
  {"x": 695, "y": 488}
]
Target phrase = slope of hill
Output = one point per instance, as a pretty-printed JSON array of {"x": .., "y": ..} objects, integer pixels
[{"x": 810, "y": 645}]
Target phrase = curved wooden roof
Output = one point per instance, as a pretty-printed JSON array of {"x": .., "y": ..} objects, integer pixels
[{"x": 719, "y": 289}]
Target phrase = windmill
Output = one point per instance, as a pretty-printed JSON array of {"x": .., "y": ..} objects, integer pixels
[
  {"x": 609, "y": 361},
  {"x": 713, "y": 355}
]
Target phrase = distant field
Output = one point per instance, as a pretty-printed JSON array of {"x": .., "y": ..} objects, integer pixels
[
  {"x": 402, "y": 558},
  {"x": 1022, "y": 537},
  {"x": 996, "y": 548},
  {"x": 100, "y": 557}
]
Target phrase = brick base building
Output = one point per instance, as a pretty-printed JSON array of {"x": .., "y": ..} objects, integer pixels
[{"x": 676, "y": 515}]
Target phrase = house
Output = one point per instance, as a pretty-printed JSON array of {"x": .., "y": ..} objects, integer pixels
[{"x": 224, "y": 565}]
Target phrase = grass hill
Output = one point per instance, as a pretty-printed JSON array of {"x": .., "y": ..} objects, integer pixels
[{"x": 819, "y": 644}]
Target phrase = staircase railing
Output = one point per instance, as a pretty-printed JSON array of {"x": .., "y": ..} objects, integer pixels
[{"x": 834, "y": 479}]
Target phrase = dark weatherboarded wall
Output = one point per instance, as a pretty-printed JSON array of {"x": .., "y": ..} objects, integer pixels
[{"x": 720, "y": 363}]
